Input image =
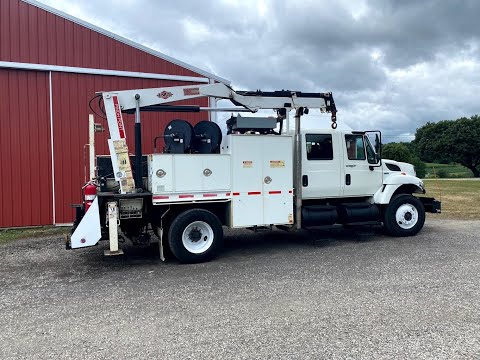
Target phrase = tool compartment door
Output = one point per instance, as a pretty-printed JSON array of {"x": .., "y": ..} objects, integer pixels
[
  {"x": 160, "y": 173},
  {"x": 246, "y": 163},
  {"x": 188, "y": 173},
  {"x": 216, "y": 172},
  {"x": 277, "y": 180},
  {"x": 261, "y": 180}
]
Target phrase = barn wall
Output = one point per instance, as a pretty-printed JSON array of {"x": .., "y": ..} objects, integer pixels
[
  {"x": 32, "y": 35},
  {"x": 25, "y": 156},
  {"x": 29, "y": 34},
  {"x": 71, "y": 94}
]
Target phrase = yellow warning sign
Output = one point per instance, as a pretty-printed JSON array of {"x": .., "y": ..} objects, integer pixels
[
  {"x": 120, "y": 146},
  {"x": 277, "y": 163},
  {"x": 123, "y": 162},
  {"x": 247, "y": 164},
  {"x": 127, "y": 183}
]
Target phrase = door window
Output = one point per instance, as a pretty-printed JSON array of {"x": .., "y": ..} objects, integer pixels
[
  {"x": 355, "y": 147},
  {"x": 319, "y": 146}
]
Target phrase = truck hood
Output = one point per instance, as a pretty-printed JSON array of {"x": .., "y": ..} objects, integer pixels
[{"x": 404, "y": 167}]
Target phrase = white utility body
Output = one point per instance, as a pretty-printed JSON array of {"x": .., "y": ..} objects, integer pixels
[
  {"x": 255, "y": 177},
  {"x": 252, "y": 172}
]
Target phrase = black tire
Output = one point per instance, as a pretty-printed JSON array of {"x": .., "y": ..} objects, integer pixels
[
  {"x": 186, "y": 220},
  {"x": 399, "y": 229}
]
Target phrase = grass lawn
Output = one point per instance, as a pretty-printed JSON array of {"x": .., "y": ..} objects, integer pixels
[
  {"x": 460, "y": 198},
  {"x": 447, "y": 171},
  {"x": 13, "y": 234}
]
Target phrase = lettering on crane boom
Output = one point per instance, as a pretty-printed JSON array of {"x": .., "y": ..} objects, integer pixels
[
  {"x": 191, "y": 91},
  {"x": 118, "y": 115}
]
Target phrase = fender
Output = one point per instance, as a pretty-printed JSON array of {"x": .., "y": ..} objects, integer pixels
[{"x": 392, "y": 183}]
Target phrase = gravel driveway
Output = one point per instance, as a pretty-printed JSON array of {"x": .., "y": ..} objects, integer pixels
[{"x": 273, "y": 295}]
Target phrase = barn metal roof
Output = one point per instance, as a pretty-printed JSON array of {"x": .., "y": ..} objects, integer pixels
[{"x": 126, "y": 41}]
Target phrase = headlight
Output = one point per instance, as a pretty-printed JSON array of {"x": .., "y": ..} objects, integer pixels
[{"x": 422, "y": 186}]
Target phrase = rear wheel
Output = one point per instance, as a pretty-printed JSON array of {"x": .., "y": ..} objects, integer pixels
[
  {"x": 404, "y": 216},
  {"x": 195, "y": 235}
]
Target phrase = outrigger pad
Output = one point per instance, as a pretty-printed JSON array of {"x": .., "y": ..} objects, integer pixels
[{"x": 88, "y": 232}]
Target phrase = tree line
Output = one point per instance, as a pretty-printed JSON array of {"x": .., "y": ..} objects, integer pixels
[{"x": 445, "y": 142}]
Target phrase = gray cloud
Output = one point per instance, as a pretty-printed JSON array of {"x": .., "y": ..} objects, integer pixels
[{"x": 392, "y": 65}]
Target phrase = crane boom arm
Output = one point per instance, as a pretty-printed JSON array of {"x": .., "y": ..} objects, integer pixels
[{"x": 250, "y": 100}]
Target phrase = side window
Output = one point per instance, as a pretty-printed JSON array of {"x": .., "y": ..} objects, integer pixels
[
  {"x": 355, "y": 147},
  {"x": 319, "y": 146}
]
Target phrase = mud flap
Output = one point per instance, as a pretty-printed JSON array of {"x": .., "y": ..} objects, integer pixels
[{"x": 88, "y": 232}]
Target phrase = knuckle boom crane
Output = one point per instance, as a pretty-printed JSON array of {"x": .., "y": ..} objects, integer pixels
[{"x": 254, "y": 177}]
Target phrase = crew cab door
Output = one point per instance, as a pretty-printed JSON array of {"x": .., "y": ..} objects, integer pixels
[
  {"x": 361, "y": 174},
  {"x": 321, "y": 165}
]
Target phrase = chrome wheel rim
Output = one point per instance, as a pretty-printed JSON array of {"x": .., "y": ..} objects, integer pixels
[
  {"x": 197, "y": 237},
  {"x": 406, "y": 216}
]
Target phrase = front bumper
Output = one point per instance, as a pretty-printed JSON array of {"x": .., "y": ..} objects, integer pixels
[{"x": 431, "y": 205}]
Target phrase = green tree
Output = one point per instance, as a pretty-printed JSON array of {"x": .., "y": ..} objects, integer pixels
[
  {"x": 420, "y": 166},
  {"x": 430, "y": 140},
  {"x": 396, "y": 151},
  {"x": 451, "y": 141},
  {"x": 404, "y": 152}
]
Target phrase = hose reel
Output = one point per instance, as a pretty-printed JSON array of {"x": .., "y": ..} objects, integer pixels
[{"x": 181, "y": 137}]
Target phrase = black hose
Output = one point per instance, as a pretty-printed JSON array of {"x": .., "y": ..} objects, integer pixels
[{"x": 91, "y": 107}]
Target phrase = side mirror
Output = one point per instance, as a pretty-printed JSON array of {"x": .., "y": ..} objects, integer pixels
[
  {"x": 377, "y": 143},
  {"x": 375, "y": 146}
]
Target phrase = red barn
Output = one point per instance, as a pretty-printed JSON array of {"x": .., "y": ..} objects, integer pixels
[{"x": 51, "y": 64}]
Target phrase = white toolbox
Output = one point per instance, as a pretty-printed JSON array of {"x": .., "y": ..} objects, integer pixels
[{"x": 188, "y": 173}]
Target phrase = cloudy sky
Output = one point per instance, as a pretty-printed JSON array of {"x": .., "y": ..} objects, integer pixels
[{"x": 391, "y": 65}]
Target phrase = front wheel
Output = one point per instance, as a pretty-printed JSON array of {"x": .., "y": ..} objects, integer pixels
[
  {"x": 404, "y": 216},
  {"x": 195, "y": 235}
]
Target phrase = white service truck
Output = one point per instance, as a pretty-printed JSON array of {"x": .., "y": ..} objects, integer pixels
[{"x": 259, "y": 175}]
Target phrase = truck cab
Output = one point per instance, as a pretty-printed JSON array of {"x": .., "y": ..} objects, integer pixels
[
  {"x": 345, "y": 181},
  {"x": 339, "y": 164}
]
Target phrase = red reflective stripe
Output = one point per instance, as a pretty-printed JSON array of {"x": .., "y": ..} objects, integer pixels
[
  {"x": 275, "y": 192},
  {"x": 254, "y": 193},
  {"x": 209, "y": 195},
  {"x": 118, "y": 115},
  {"x": 185, "y": 196},
  {"x": 236, "y": 194},
  {"x": 227, "y": 194},
  {"x": 290, "y": 191},
  {"x": 160, "y": 197}
]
